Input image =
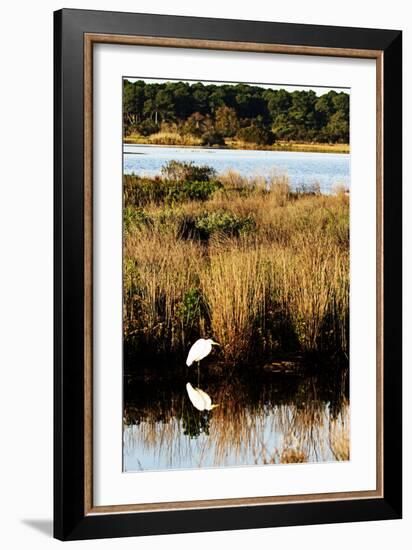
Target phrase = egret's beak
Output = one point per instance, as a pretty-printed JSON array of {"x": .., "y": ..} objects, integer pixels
[{"x": 215, "y": 343}]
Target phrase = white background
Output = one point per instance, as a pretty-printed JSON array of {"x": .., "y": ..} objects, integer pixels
[{"x": 26, "y": 274}]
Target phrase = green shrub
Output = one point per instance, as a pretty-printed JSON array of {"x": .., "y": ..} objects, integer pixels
[
  {"x": 141, "y": 191},
  {"x": 257, "y": 134},
  {"x": 228, "y": 223},
  {"x": 187, "y": 171},
  {"x": 191, "y": 308},
  {"x": 193, "y": 190},
  {"x": 212, "y": 138},
  {"x": 148, "y": 127},
  {"x": 135, "y": 217}
]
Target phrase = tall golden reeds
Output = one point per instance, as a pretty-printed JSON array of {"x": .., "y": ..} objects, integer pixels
[
  {"x": 239, "y": 266},
  {"x": 233, "y": 283}
]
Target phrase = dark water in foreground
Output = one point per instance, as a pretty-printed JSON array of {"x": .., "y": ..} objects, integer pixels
[{"x": 264, "y": 418}]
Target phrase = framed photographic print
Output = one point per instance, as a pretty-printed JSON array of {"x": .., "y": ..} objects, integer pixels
[{"x": 227, "y": 274}]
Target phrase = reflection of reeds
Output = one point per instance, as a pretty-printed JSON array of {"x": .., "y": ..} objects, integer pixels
[
  {"x": 243, "y": 433},
  {"x": 339, "y": 437}
]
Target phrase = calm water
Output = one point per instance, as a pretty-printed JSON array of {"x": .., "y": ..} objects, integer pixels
[
  {"x": 262, "y": 419},
  {"x": 302, "y": 168}
]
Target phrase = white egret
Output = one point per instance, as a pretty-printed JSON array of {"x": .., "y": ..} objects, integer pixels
[
  {"x": 199, "y": 398},
  {"x": 199, "y": 350}
]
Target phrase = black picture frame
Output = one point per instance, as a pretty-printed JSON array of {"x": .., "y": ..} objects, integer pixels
[{"x": 70, "y": 520}]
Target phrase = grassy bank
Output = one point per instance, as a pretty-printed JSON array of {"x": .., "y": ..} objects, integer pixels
[
  {"x": 245, "y": 260},
  {"x": 304, "y": 147},
  {"x": 174, "y": 139}
]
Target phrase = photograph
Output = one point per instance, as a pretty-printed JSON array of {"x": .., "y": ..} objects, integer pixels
[
  {"x": 227, "y": 274},
  {"x": 236, "y": 274}
]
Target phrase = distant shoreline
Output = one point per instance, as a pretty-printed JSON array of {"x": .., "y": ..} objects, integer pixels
[{"x": 297, "y": 147}]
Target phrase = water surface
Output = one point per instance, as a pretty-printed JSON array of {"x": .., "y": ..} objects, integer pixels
[
  {"x": 326, "y": 169},
  {"x": 267, "y": 419}
]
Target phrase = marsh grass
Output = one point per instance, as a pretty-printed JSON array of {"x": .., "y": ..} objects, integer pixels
[
  {"x": 170, "y": 137},
  {"x": 164, "y": 138},
  {"x": 233, "y": 283},
  {"x": 160, "y": 272},
  {"x": 260, "y": 268}
]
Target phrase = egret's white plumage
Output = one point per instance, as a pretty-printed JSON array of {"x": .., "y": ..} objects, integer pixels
[
  {"x": 199, "y": 398},
  {"x": 199, "y": 350}
]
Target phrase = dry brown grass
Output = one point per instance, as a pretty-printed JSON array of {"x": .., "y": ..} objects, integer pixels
[
  {"x": 164, "y": 138},
  {"x": 312, "y": 277},
  {"x": 288, "y": 264},
  {"x": 291, "y": 146},
  {"x": 159, "y": 271},
  {"x": 233, "y": 284}
]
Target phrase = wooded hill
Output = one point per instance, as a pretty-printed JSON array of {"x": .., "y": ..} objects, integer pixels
[{"x": 213, "y": 113}]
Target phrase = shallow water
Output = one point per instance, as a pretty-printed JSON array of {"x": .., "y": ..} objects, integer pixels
[
  {"x": 326, "y": 169},
  {"x": 266, "y": 419}
]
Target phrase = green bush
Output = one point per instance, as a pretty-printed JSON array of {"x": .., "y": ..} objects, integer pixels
[
  {"x": 257, "y": 134},
  {"x": 135, "y": 217},
  {"x": 148, "y": 127},
  {"x": 142, "y": 191},
  {"x": 191, "y": 308},
  {"x": 192, "y": 190},
  {"x": 175, "y": 170},
  {"x": 204, "y": 225},
  {"x": 211, "y": 139}
]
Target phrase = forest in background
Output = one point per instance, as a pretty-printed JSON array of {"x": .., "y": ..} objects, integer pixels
[{"x": 182, "y": 113}]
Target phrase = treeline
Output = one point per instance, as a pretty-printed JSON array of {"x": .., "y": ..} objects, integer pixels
[{"x": 215, "y": 113}]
